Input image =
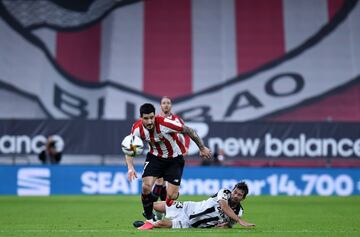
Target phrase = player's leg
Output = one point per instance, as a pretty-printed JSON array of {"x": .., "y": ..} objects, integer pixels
[
  {"x": 173, "y": 176},
  {"x": 172, "y": 194},
  {"x": 147, "y": 197},
  {"x": 159, "y": 189},
  {"x": 163, "y": 192},
  {"x": 175, "y": 224},
  {"x": 163, "y": 224},
  {"x": 160, "y": 207},
  {"x": 176, "y": 213},
  {"x": 152, "y": 170},
  {"x": 148, "y": 225}
]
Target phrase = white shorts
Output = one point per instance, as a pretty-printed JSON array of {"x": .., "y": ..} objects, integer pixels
[{"x": 177, "y": 214}]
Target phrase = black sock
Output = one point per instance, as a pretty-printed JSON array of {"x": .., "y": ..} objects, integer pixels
[
  {"x": 147, "y": 201},
  {"x": 157, "y": 191},
  {"x": 163, "y": 193}
]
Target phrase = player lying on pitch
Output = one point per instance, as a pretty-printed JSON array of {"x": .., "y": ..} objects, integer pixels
[{"x": 221, "y": 210}]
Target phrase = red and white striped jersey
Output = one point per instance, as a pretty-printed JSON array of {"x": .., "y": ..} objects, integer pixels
[
  {"x": 163, "y": 140},
  {"x": 185, "y": 139}
]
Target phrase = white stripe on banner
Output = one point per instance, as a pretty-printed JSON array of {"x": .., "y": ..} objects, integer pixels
[
  {"x": 12, "y": 44},
  {"x": 228, "y": 45},
  {"x": 302, "y": 19},
  {"x": 354, "y": 33},
  {"x": 25, "y": 108},
  {"x": 24, "y": 62},
  {"x": 48, "y": 37},
  {"x": 214, "y": 50},
  {"x": 122, "y": 46}
]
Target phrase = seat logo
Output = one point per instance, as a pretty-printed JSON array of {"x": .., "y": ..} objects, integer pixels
[{"x": 33, "y": 182}]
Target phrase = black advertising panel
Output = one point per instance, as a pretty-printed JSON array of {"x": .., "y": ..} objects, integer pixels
[{"x": 238, "y": 140}]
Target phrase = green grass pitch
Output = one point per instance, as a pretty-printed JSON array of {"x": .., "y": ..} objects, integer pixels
[{"x": 113, "y": 216}]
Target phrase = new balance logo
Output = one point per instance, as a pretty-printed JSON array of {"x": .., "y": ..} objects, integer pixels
[{"x": 33, "y": 182}]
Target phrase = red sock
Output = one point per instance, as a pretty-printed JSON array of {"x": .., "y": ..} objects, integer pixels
[{"x": 169, "y": 202}]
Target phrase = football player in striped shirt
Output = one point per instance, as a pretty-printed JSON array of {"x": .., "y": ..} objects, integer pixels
[
  {"x": 223, "y": 210},
  {"x": 159, "y": 189},
  {"x": 165, "y": 156}
]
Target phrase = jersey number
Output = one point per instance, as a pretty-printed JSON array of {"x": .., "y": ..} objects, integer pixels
[
  {"x": 146, "y": 164},
  {"x": 179, "y": 205}
]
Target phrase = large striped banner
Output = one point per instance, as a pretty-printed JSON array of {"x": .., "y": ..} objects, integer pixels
[{"x": 234, "y": 60}]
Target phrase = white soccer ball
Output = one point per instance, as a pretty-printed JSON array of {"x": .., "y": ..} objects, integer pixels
[{"x": 132, "y": 145}]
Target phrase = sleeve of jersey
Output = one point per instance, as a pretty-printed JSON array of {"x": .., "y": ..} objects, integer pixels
[
  {"x": 135, "y": 130},
  {"x": 223, "y": 194},
  {"x": 186, "y": 137},
  {"x": 169, "y": 125}
]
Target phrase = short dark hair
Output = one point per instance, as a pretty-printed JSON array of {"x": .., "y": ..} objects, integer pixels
[
  {"x": 242, "y": 186},
  {"x": 147, "y": 108}
]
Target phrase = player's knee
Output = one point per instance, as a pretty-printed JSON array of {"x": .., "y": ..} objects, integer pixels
[
  {"x": 146, "y": 188},
  {"x": 159, "y": 182},
  {"x": 173, "y": 195}
]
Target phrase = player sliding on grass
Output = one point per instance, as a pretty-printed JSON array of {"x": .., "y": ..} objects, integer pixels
[
  {"x": 221, "y": 210},
  {"x": 164, "y": 158}
]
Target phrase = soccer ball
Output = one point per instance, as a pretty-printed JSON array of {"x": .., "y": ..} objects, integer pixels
[{"x": 132, "y": 145}]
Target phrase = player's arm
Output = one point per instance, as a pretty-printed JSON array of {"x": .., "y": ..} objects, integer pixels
[
  {"x": 204, "y": 151},
  {"x": 129, "y": 159},
  {"x": 223, "y": 225},
  {"x": 230, "y": 213},
  {"x": 131, "y": 169}
]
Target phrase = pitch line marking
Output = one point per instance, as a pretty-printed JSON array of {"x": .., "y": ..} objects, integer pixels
[{"x": 192, "y": 230}]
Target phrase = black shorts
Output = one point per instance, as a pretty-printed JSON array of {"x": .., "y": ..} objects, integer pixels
[{"x": 170, "y": 169}]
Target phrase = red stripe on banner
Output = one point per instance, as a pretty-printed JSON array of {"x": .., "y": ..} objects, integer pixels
[
  {"x": 167, "y": 48},
  {"x": 334, "y": 6},
  {"x": 79, "y": 52},
  {"x": 259, "y": 32}
]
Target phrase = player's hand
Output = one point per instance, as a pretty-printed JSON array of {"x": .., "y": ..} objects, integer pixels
[
  {"x": 132, "y": 175},
  {"x": 246, "y": 224},
  {"x": 205, "y": 153}
]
